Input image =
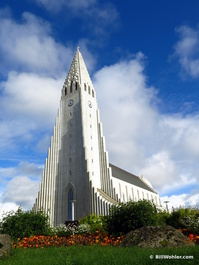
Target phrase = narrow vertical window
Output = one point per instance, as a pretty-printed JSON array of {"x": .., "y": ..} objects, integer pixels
[
  {"x": 93, "y": 93},
  {"x": 76, "y": 86},
  {"x": 89, "y": 90},
  {"x": 65, "y": 91},
  {"x": 85, "y": 87},
  {"x": 71, "y": 87}
]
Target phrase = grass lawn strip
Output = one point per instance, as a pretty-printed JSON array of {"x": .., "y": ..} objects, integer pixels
[{"x": 98, "y": 255}]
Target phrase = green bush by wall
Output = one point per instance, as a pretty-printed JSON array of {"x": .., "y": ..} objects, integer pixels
[
  {"x": 21, "y": 224},
  {"x": 130, "y": 216}
]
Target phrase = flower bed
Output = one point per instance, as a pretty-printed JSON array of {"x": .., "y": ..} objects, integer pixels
[
  {"x": 76, "y": 239},
  {"x": 192, "y": 237}
]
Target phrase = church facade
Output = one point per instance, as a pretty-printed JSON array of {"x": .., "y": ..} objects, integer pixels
[{"x": 78, "y": 179}]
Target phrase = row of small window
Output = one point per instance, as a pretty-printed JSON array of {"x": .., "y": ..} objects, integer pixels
[
  {"x": 70, "y": 160},
  {"x": 70, "y": 173},
  {"x": 74, "y": 87},
  {"x": 89, "y": 90}
]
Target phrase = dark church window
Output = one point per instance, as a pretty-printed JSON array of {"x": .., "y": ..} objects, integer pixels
[
  {"x": 92, "y": 93},
  {"x": 70, "y": 198},
  {"x": 85, "y": 87},
  {"x": 76, "y": 85},
  {"x": 71, "y": 87},
  {"x": 89, "y": 90},
  {"x": 65, "y": 90}
]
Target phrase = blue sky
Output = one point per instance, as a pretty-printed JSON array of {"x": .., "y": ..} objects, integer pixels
[{"x": 143, "y": 58}]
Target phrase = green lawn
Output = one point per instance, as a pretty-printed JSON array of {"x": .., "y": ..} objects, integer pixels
[{"x": 98, "y": 255}]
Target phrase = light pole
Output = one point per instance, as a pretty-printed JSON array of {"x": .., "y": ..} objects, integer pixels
[{"x": 73, "y": 209}]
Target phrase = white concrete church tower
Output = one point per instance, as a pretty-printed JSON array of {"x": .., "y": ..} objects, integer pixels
[{"x": 78, "y": 179}]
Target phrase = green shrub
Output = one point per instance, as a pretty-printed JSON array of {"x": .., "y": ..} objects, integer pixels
[
  {"x": 130, "y": 216},
  {"x": 21, "y": 224},
  {"x": 96, "y": 223},
  {"x": 185, "y": 218},
  {"x": 162, "y": 217}
]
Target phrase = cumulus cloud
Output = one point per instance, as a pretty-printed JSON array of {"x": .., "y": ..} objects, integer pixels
[
  {"x": 22, "y": 191},
  {"x": 187, "y": 50},
  {"x": 7, "y": 207},
  {"x": 97, "y": 16},
  {"x": 139, "y": 138},
  {"x": 182, "y": 200},
  {"x": 29, "y": 46},
  {"x": 55, "y": 6},
  {"x": 19, "y": 186},
  {"x": 29, "y": 104}
]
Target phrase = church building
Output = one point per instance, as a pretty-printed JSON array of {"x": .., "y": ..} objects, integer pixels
[{"x": 78, "y": 179}]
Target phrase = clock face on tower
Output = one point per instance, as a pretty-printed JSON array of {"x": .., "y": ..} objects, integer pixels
[
  {"x": 90, "y": 104},
  {"x": 70, "y": 102}
]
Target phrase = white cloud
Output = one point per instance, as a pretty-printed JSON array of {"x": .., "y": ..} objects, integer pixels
[
  {"x": 30, "y": 97},
  {"x": 19, "y": 186},
  {"x": 98, "y": 16},
  {"x": 55, "y": 6},
  {"x": 182, "y": 200},
  {"x": 24, "y": 168},
  {"x": 187, "y": 50},
  {"x": 29, "y": 46},
  {"x": 7, "y": 207},
  {"x": 164, "y": 148},
  {"x": 22, "y": 191},
  {"x": 29, "y": 105}
]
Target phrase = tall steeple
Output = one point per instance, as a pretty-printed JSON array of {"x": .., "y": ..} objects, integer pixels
[
  {"x": 77, "y": 173},
  {"x": 78, "y": 179}
]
